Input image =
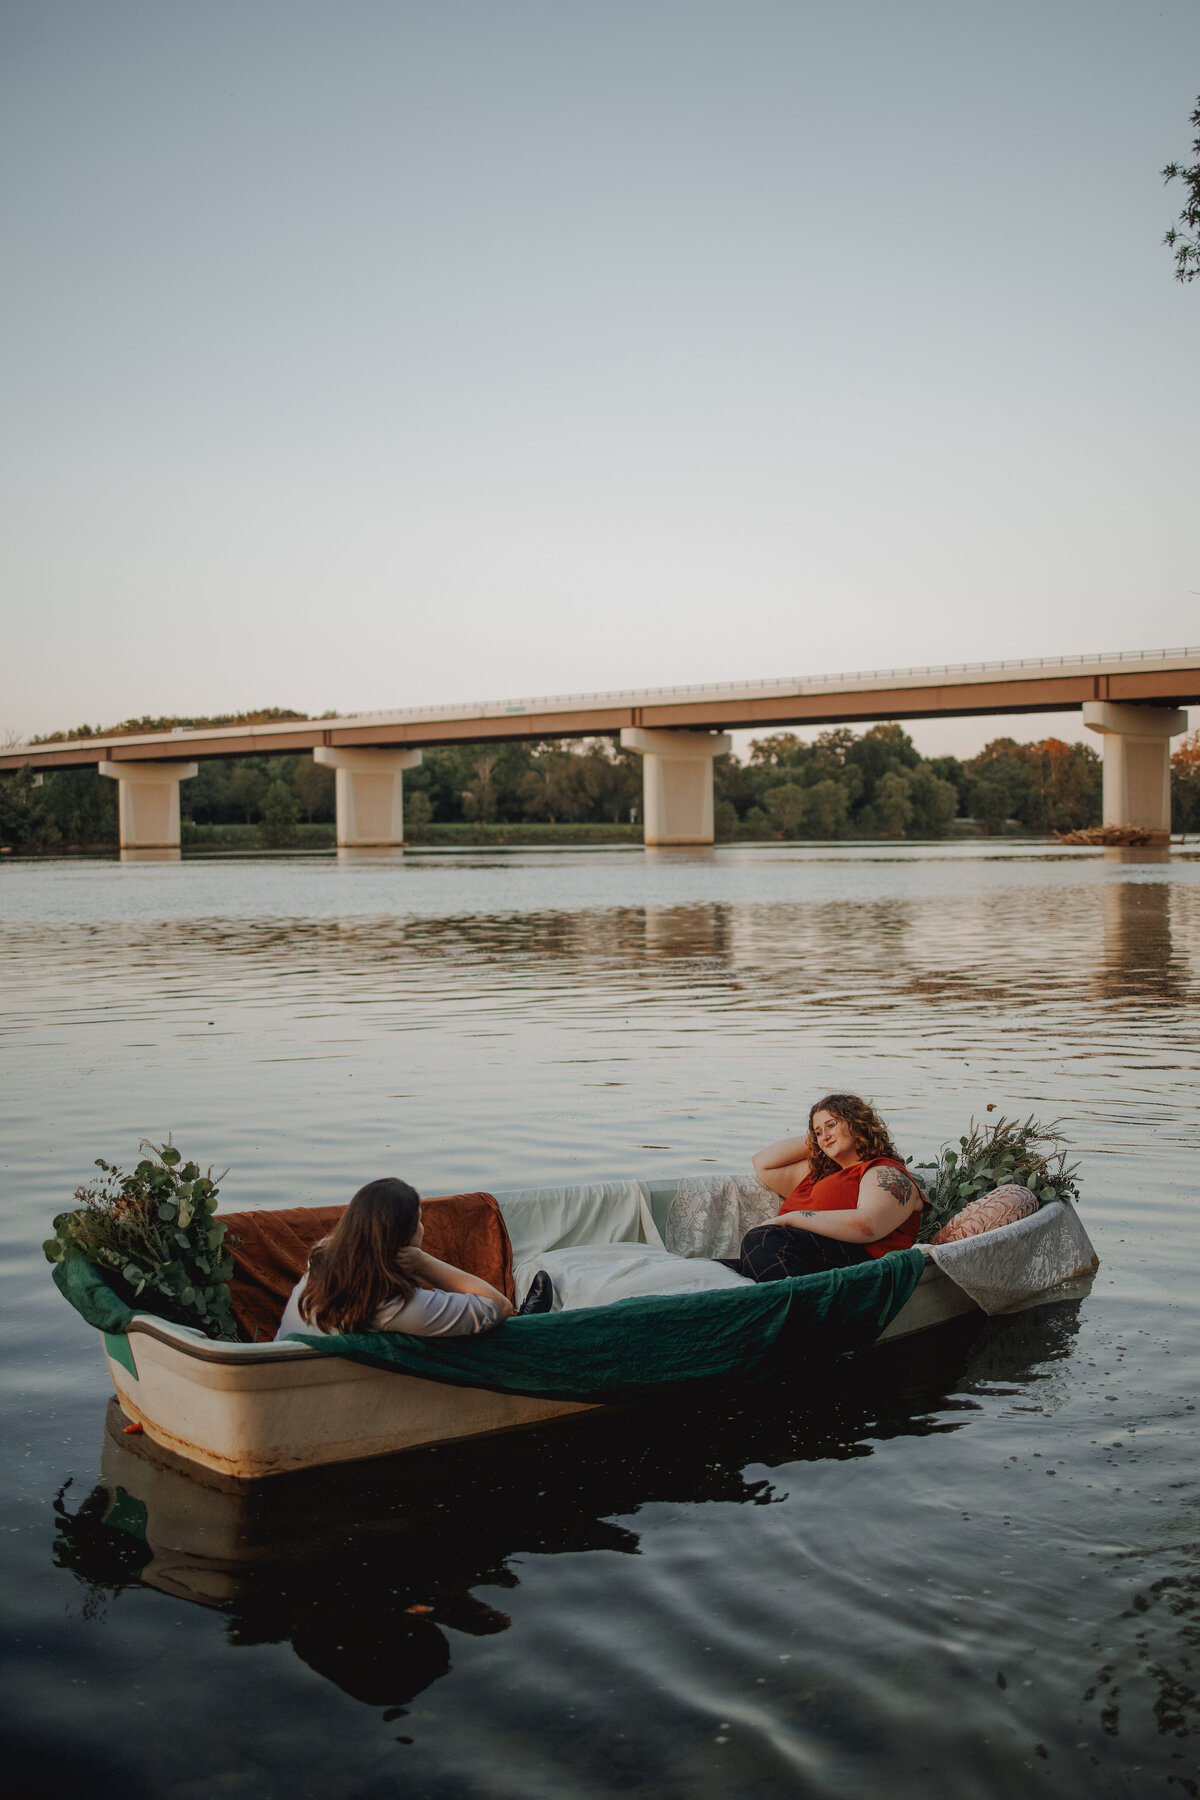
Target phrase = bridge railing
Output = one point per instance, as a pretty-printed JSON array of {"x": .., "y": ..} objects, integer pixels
[
  {"x": 782, "y": 685},
  {"x": 598, "y": 699}
]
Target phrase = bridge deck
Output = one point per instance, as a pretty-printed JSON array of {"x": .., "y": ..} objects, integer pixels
[{"x": 1032, "y": 685}]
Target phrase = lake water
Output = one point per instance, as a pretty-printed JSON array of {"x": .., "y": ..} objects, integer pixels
[{"x": 966, "y": 1566}]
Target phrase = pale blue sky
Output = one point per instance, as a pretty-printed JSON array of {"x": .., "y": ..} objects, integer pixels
[{"x": 374, "y": 353}]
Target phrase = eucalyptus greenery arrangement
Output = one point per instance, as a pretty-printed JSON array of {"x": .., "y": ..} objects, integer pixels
[
  {"x": 153, "y": 1234},
  {"x": 1032, "y": 1155}
]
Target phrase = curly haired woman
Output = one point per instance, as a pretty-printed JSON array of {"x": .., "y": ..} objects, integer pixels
[{"x": 846, "y": 1195}]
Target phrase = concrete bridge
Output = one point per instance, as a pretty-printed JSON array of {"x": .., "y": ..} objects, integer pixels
[{"x": 1131, "y": 698}]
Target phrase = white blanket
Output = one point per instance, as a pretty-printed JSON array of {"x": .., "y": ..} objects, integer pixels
[
  {"x": 598, "y": 1274},
  {"x": 545, "y": 1219}
]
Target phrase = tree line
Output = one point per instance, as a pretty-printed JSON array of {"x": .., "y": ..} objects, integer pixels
[{"x": 846, "y": 784}]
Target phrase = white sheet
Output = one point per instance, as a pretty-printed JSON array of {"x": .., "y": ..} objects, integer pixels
[
  {"x": 598, "y": 1274},
  {"x": 543, "y": 1219}
]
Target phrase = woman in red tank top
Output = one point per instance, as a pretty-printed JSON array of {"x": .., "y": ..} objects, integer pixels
[{"x": 847, "y": 1196}]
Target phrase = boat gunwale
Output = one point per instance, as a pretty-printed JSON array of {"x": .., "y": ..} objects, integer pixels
[
  {"x": 216, "y": 1350},
  {"x": 188, "y": 1342}
]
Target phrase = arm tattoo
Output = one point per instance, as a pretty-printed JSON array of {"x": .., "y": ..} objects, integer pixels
[{"x": 896, "y": 1184}]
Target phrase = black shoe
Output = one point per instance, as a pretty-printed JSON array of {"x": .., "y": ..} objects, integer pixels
[{"x": 540, "y": 1297}]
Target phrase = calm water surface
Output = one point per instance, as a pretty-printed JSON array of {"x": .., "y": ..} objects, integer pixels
[{"x": 966, "y": 1566}]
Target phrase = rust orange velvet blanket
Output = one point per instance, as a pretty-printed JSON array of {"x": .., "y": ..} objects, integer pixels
[{"x": 270, "y": 1253}]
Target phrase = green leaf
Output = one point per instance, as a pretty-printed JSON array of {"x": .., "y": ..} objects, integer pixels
[
  {"x": 169, "y": 1155},
  {"x": 188, "y": 1295},
  {"x": 166, "y": 1211},
  {"x": 52, "y": 1249}
]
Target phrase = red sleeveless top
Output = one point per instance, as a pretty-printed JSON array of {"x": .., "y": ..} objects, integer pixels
[{"x": 839, "y": 1193}]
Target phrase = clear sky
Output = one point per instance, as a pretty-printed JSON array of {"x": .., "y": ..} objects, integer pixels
[{"x": 372, "y": 353}]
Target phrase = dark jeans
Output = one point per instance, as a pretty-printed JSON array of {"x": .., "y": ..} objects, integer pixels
[{"x": 773, "y": 1252}]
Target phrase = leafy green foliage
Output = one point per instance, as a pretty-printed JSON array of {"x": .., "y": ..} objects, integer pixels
[
  {"x": 1046, "y": 786},
  {"x": 154, "y": 1235},
  {"x": 279, "y": 816},
  {"x": 1186, "y": 242},
  {"x": 1031, "y": 1154},
  {"x": 1185, "y": 784}
]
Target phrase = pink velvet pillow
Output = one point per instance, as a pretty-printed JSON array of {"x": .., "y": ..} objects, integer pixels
[{"x": 1000, "y": 1207}]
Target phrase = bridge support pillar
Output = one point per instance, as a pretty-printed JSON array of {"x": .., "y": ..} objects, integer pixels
[
  {"x": 677, "y": 782},
  {"x": 370, "y": 794},
  {"x": 1137, "y": 762},
  {"x": 148, "y": 802}
]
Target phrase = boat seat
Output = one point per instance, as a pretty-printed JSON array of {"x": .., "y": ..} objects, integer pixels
[{"x": 270, "y": 1251}]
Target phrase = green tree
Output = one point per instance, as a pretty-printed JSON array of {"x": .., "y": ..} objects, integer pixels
[
  {"x": 24, "y": 825},
  {"x": 948, "y": 768},
  {"x": 1185, "y": 784},
  {"x": 81, "y": 805},
  {"x": 826, "y": 805},
  {"x": 892, "y": 805},
  {"x": 248, "y": 789},
  {"x": 418, "y": 813},
  {"x": 1186, "y": 242},
  {"x": 725, "y": 818},
  {"x": 314, "y": 783},
  {"x": 1049, "y": 786},
  {"x": 279, "y": 816},
  {"x": 479, "y": 800},
  {"x": 205, "y": 799},
  {"x": 787, "y": 805},
  {"x": 934, "y": 802},
  {"x": 989, "y": 805}
]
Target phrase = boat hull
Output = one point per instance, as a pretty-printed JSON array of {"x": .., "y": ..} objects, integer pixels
[
  {"x": 249, "y": 1415},
  {"x": 251, "y": 1411}
]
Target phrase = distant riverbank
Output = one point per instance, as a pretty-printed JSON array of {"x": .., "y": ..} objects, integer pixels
[
  {"x": 530, "y": 835},
  {"x": 466, "y": 834}
]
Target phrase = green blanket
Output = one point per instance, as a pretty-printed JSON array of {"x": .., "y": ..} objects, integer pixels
[{"x": 619, "y": 1351}]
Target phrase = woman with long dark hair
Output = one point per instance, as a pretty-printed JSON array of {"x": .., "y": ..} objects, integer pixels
[
  {"x": 371, "y": 1274},
  {"x": 847, "y": 1196}
]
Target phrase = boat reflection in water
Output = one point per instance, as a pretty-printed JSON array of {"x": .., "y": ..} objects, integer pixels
[{"x": 364, "y": 1568}]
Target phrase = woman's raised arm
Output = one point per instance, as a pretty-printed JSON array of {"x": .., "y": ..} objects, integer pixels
[
  {"x": 419, "y": 1265},
  {"x": 782, "y": 1166}
]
